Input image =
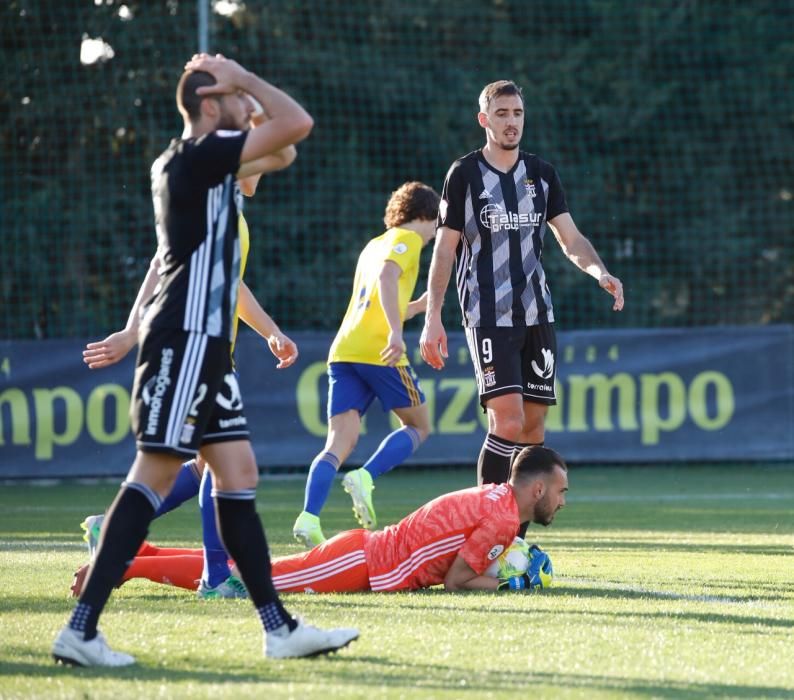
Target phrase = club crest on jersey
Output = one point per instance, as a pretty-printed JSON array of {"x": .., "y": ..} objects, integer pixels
[
  {"x": 530, "y": 185},
  {"x": 187, "y": 433}
]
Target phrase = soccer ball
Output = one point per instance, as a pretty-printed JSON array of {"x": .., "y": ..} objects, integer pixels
[{"x": 514, "y": 561}]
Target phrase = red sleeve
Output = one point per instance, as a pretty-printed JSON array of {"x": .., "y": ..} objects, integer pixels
[{"x": 487, "y": 542}]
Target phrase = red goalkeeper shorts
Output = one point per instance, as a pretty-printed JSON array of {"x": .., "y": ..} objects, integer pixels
[{"x": 336, "y": 566}]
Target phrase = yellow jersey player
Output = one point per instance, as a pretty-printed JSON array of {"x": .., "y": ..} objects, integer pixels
[{"x": 367, "y": 360}]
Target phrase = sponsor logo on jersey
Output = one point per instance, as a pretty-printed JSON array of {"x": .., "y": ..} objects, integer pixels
[
  {"x": 497, "y": 492},
  {"x": 235, "y": 422},
  {"x": 234, "y": 402},
  {"x": 400, "y": 248},
  {"x": 494, "y": 218},
  {"x": 539, "y": 387},
  {"x": 153, "y": 391},
  {"x": 443, "y": 205},
  {"x": 486, "y": 195}
]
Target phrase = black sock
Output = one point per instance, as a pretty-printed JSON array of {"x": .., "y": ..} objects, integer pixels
[
  {"x": 521, "y": 445},
  {"x": 244, "y": 539},
  {"x": 522, "y": 529},
  {"x": 496, "y": 455},
  {"x": 123, "y": 531}
]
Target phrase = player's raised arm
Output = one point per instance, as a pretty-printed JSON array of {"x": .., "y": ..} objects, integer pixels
[
  {"x": 271, "y": 163},
  {"x": 580, "y": 252},
  {"x": 288, "y": 124},
  {"x": 433, "y": 341}
]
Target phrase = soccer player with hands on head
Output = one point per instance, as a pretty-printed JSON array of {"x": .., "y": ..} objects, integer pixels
[
  {"x": 193, "y": 479},
  {"x": 496, "y": 205},
  {"x": 184, "y": 358}
]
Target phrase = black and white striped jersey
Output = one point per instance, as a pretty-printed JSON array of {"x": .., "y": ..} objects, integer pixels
[
  {"x": 502, "y": 218},
  {"x": 196, "y": 203}
]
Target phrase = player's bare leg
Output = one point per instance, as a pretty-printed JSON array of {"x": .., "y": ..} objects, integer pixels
[
  {"x": 393, "y": 451},
  {"x": 533, "y": 429},
  {"x": 505, "y": 423}
]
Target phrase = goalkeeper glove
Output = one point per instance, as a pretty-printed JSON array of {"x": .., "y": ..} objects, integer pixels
[{"x": 538, "y": 575}]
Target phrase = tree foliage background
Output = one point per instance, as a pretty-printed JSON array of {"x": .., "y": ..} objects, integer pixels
[{"x": 671, "y": 124}]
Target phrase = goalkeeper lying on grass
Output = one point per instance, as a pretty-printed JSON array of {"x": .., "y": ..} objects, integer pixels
[{"x": 453, "y": 539}]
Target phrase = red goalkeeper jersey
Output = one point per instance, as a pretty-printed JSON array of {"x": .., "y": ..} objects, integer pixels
[{"x": 477, "y": 523}]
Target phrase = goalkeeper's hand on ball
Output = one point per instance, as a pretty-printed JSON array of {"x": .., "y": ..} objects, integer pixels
[{"x": 539, "y": 574}]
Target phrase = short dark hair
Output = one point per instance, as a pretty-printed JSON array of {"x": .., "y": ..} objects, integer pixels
[
  {"x": 535, "y": 460},
  {"x": 496, "y": 89},
  {"x": 187, "y": 101},
  {"x": 411, "y": 200}
]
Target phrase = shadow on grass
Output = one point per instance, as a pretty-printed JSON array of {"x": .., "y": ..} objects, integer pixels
[
  {"x": 716, "y": 592},
  {"x": 361, "y": 672},
  {"x": 447, "y": 603}
]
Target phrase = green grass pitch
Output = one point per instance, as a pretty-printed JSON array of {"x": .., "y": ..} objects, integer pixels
[{"x": 672, "y": 581}]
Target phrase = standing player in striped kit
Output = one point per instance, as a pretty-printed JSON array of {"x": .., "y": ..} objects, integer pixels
[
  {"x": 193, "y": 479},
  {"x": 494, "y": 210},
  {"x": 184, "y": 356}
]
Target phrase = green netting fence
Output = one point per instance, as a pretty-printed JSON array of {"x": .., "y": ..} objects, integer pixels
[{"x": 671, "y": 124}]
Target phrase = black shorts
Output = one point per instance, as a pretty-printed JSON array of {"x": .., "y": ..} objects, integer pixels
[
  {"x": 515, "y": 360},
  {"x": 185, "y": 393}
]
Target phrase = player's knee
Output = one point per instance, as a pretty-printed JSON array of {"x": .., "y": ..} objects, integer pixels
[
  {"x": 341, "y": 446},
  {"x": 422, "y": 431},
  {"x": 508, "y": 426}
]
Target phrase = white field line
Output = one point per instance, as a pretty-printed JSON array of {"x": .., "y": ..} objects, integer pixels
[
  {"x": 571, "y": 499},
  {"x": 678, "y": 497},
  {"x": 560, "y": 582},
  {"x": 40, "y": 544}
]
